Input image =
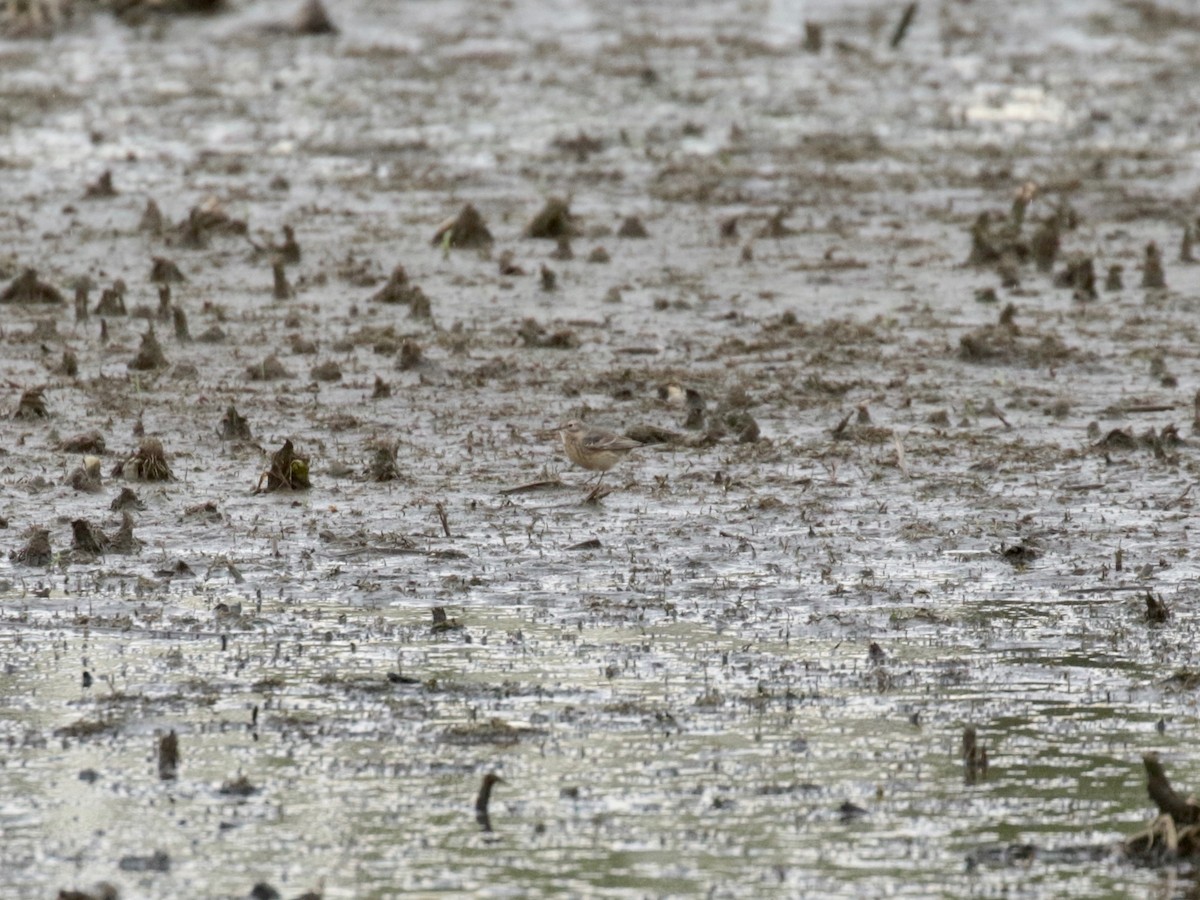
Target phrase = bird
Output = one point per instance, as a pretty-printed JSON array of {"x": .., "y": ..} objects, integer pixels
[{"x": 594, "y": 449}]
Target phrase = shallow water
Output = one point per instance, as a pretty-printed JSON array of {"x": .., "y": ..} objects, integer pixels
[{"x": 683, "y": 706}]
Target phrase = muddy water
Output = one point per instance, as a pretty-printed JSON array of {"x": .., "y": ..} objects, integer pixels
[{"x": 683, "y": 704}]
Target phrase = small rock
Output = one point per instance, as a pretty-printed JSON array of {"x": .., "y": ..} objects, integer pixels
[
  {"x": 467, "y": 230},
  {"x": 553, "y": 221},
  {"x": 28, "y": 288},
  {"x": 164, "y": 271},
  {"x": 233, "y": 426},
  {"x": 150, "y": 355},
  {"x": 270, "y": 369},
  {"x": 102, "y": 187},
  {"x": 632, "y": 227},
  {"x": 32, "y": 405}
]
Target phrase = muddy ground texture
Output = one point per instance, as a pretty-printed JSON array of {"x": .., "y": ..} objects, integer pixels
[{"x": 910, "y": 334}]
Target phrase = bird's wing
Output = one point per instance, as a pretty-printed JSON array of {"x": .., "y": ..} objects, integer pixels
[{"x": 612, "y": 442}]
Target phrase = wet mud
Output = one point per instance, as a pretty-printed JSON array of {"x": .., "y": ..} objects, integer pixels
[{"x": 300, "y": 589}]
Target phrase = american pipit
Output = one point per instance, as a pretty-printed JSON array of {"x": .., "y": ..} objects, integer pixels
[{"x": 594, "y": 449}]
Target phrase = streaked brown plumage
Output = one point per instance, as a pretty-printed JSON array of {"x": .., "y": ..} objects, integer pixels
[{"x": 594, "y": 449}]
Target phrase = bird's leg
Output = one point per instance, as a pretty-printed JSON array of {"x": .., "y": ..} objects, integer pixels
[{"x": 594, "y": 494}]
